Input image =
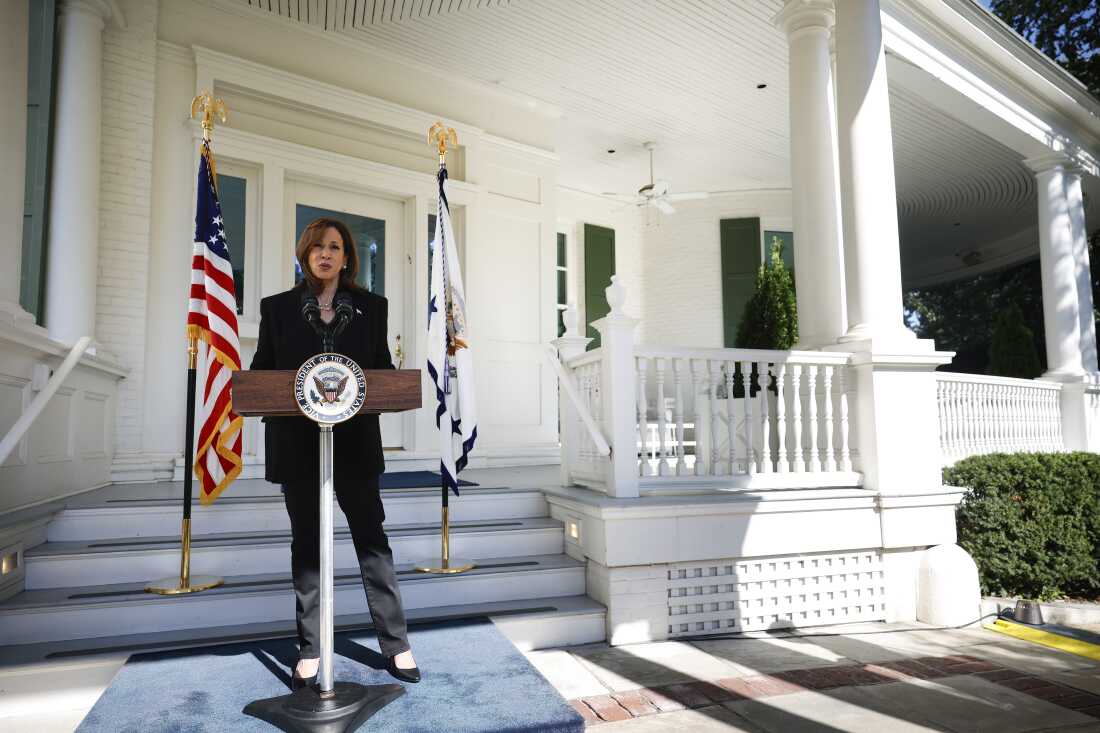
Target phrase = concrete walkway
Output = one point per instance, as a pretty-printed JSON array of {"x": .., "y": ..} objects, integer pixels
[{"x": 873, "y": 678}]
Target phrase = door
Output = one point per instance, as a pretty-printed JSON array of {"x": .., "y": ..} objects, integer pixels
[{"x": 377, "y": 226}]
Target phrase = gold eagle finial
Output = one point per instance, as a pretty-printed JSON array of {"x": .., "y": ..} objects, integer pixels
[
  {"x": 440, "y": 136},
  {"x": 211, "y": 108}
]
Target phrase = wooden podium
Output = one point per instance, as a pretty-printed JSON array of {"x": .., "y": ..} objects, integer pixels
[{"x": 329, "y": 706}]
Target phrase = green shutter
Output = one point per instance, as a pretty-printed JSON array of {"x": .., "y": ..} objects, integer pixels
[
  {"x": 40, "y": 73},
  {"x": 740, "y": 244},
  {"x": 599, "y": 266}
]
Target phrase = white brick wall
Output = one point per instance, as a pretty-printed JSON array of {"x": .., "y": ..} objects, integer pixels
[{"x": 126, "y": 181}]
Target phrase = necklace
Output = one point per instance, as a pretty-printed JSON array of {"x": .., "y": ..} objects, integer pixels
[{"x": 325, "y": 306}]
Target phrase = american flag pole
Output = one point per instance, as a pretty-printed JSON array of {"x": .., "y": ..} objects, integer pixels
[{"x": 185, "y": 583}]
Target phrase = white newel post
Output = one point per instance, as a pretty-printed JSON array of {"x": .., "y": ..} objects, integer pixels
[
  {"x": 570, "y": 345},
  {"x": 617, "y": 382},
  {"x": 819, "y": 264},
  {"x": 72, "y": 253}
]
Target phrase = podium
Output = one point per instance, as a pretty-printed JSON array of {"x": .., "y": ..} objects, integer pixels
[{"x": 328, "y": 388}]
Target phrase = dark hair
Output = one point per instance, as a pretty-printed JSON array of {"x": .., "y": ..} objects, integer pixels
[{"x": 313, "y": 234}]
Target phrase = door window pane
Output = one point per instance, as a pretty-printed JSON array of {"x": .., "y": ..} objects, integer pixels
[
  {"x": 232, "y": 192},
  {"x": 370, "y": 243}
]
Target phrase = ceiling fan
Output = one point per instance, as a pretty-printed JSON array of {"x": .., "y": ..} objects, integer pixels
[{"x": 657, "y": 193}]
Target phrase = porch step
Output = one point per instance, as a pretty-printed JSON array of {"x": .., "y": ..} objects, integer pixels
[
  {"x": 58, "y": 614},
  {"x": 160, "y": 517},
  {"x": 143, "y": 559},
  {"x": 536, "y": 623}
]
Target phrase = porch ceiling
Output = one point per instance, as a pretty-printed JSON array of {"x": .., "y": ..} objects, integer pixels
[{"x": 685, "y": 75}]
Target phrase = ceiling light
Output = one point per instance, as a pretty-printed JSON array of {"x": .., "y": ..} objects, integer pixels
[{"x": 761, "y": 86}]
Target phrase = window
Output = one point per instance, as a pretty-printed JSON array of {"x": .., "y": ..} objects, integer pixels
[
  {"x": 563, "y": 295},
  {"x": 786, "y": 239},
  {"x": 233, "y": 196},
  {"x": 40, "y": 56}
]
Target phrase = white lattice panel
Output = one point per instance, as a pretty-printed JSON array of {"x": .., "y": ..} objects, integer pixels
[{"x": 775, "y": 592}]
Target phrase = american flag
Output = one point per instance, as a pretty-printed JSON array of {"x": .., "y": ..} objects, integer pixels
[{"x": 212, "y": 319}]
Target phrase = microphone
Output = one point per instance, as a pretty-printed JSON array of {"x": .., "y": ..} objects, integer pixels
[
  {"x": 311, "y": 309},
  {"x": 345, "y": 311}
]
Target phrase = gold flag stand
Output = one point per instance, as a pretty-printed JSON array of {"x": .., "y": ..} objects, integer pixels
[
  {"x": 444, "y": 564},
  {"x": 185, "y": 583}
]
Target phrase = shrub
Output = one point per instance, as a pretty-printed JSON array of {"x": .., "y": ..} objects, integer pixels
[
  {"x": 1031, "y": 521},
  {"x": 770, "y": 320},
  {"x": 1012, "y": 353}
]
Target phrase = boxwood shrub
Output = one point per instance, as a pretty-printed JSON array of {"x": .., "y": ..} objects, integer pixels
[{"x": 1031, "y": 521}]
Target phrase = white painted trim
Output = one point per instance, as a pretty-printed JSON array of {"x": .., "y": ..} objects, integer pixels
[{"x": 35, "y": 339}]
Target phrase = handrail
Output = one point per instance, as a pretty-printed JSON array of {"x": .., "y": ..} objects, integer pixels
[
  {"x": 566, "y": 381},
  {"x": 7, "y": 445}
]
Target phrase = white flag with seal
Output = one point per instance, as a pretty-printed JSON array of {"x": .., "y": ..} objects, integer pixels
[{"x": 450, "y": 363}]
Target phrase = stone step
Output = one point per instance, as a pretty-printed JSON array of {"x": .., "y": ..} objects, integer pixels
[
  {"x": 144, "y": 559},
  {"x": 536, "y": 623},
  {"x": 59, "y": 614},
  {"x": 265, "y": 512}
]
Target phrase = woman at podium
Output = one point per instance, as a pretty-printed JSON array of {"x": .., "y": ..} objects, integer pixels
[{"x": 329, "y": 263}]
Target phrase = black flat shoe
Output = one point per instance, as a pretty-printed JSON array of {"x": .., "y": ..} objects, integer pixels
[
  {"x": 412, "y": 674},
  {"x": 297, "y": 683}
]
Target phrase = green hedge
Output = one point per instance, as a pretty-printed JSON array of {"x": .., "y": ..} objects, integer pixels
[{"x": 1032, "y": 522}]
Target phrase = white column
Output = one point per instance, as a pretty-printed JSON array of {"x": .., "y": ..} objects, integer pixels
[
  {"x": 1076, "y": 204},
  {"x": 1058, "y": 266},
  {"x": 13, "y": 150},
  {"x": 74, "y": 180},
  {"x": 869, "y": 202},
  {"x": 818, "y": 262}
]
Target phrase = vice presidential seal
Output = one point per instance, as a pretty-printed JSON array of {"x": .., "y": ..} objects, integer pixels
[{"x": 329, "y": 388}]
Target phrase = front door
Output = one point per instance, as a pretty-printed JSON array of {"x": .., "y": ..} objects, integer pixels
[{"x": 377, "y": 225}]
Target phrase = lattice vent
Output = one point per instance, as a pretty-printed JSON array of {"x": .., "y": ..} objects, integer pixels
[{"x": 753, "y": 594}]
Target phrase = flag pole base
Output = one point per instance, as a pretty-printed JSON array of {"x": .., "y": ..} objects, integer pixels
[
  {"x": 176, "y": 586},
  {"x": 444, "y": 566},
  {"x": 345, "y": 708}
]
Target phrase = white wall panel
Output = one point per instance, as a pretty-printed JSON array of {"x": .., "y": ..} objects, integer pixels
[{"x": 510, "y": 312}]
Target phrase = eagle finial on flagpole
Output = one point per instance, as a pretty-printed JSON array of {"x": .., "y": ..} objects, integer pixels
[
  {"x": 211, "y": 108},
  {"x": 440, "y": 135}
]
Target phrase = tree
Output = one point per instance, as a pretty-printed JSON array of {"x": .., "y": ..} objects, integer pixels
[
  {"x": 1013, "y": 352},
  {"x": 770, "y": 320},
  {"x": 1067, "y": 31}
]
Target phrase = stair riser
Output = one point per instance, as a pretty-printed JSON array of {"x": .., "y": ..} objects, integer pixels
[
  {"x": 74, "y": 525},
  {"x": 70, "y": 571},
  {"x": 542, "y": 632},
  {"x": 188, "y": 612}
]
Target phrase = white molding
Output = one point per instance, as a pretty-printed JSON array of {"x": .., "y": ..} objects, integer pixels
[
  {"x": 175, "y": 53},
  {"x": 523, "y": 149},
  {"x": 35, "y": 338}
]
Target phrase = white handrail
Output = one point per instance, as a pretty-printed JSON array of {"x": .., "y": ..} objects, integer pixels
[
  {"x": 7, "y": 445},
  {"x": 566, "y": 381}
]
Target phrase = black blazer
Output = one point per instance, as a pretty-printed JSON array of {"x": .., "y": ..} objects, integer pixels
[{"x": 286, "y": 341}]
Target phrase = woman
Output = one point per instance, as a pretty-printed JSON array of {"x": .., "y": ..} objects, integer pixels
[{"x": 329, "y": 263}]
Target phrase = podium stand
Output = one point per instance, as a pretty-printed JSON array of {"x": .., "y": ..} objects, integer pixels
[{"x": 317, "y": 392}]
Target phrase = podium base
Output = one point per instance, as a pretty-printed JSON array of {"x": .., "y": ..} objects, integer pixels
[
  {"x": 173, "y": 587},
  {"x": 449, "y": 566},
  {"x": 305, "y": 711}
]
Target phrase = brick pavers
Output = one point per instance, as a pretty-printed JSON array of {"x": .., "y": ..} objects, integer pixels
[{"x": 699, "y": 694}]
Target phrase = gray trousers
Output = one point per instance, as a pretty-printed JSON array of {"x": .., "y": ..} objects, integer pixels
[{"x": 362, "y": 505}]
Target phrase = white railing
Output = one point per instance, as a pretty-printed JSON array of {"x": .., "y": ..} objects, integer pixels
[
  {"x": 587, "y": 452},
  {"x": 19, "y": 429},
  {"x": 742, "y": 413},
  {"x": 583, "y": 405},
  {"x": 980, "y": 414}
]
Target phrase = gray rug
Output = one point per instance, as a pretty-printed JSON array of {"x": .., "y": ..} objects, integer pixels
[{"x": 475, "y": 681}]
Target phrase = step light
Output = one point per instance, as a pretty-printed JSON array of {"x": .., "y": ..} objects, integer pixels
[{"x": 10, "y": 562}]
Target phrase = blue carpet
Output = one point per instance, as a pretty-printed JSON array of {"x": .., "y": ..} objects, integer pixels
[
  {"x": 415, "y": 480},
  {"x": 474, "y": 681}
]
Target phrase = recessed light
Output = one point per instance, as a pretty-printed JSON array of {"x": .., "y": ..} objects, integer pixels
[
  {"x": 610, "y": 151},
  {"x": 958, "y": 223},
  {"x": 761, "y": 86}
]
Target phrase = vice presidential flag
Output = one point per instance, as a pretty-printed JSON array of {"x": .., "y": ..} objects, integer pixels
[
  {"x": 212, "y": 319},
  {"x": 450, "y": 364}
]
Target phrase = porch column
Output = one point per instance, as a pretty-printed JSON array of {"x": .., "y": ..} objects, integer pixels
[
  {"x": 818, "y": 262},
  {"x": 1057, "y": 262},
  {"x": 1076, "y": 203},
  {"x": 868, "y": 198},
  {"x": 74, "y": 181}
]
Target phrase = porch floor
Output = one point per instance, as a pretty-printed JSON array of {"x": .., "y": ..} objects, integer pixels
[{"x": 869, "y": 677}]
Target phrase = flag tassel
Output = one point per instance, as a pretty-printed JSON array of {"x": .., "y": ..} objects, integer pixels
[{"x": 185, "y": 583}]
